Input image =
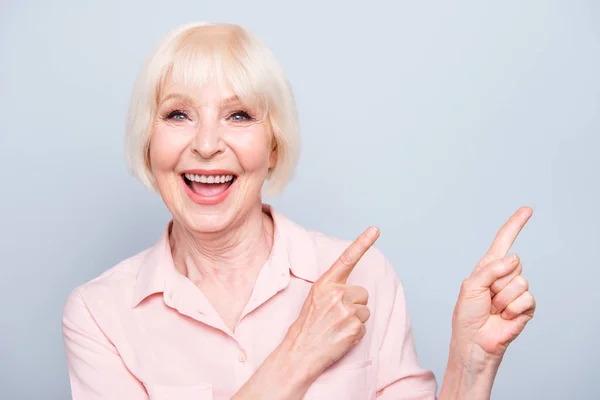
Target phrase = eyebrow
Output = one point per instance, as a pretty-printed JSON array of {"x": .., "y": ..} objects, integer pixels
[
  {"x": 189, "y": 100},
  {"x": 177, "y": 96},
  {"x": 230, "y": 100}
]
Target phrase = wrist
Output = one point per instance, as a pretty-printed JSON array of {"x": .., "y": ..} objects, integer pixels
[
  {"x": 293, "y": 367},
  {"x": 470, "y": 373},
  {"x": 282, "y": 375},
  {"x": 277, "y": 378},
  {"x": 473, "y": 358}
]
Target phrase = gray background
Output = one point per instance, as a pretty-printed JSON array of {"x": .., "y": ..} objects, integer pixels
[{"x": 434, "y": 120}]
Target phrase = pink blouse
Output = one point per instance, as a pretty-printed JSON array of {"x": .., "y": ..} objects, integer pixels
[{"x": 141, "y": 330}]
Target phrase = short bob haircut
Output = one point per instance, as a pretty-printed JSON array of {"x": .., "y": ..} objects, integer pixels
[{"x": 196, "y": 54}]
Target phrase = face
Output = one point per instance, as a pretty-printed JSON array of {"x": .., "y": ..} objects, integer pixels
[{"x": 210, "y": 155}]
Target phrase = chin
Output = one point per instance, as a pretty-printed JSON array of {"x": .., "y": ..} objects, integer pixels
[
  {"x": 210, "y": 218},
  {"x": 208, "y": 223}
]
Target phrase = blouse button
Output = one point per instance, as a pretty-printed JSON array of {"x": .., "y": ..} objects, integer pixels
[{"x": 242, "y": 357}]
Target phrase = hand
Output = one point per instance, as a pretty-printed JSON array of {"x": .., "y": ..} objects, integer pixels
[
  {"x": 494, "y": 303},
  {"x": 332, "y": 318}
]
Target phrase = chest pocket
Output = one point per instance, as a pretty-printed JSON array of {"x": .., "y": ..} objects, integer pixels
[
  {"x": 167, "y": 392},
  {"x": 349, "y": 382}
]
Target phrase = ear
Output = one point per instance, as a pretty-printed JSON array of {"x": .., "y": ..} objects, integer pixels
[{"x": 273, "y": 155}]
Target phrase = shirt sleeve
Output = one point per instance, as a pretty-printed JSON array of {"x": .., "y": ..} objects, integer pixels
[
  {"x": 400, "y": 377},
  {"x": 96, "y": 370}
]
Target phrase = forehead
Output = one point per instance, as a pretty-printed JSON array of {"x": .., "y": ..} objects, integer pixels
[{"x": 211, "y": 93}]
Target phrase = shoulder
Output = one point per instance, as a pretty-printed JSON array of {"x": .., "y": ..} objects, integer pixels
[{"x": 113, "y": 287}]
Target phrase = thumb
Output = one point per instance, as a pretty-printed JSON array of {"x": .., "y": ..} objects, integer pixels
[{"x": 484, "y": 277}]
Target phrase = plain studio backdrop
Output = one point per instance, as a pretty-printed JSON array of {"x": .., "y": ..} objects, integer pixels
[{"x": 435, "y": 120}]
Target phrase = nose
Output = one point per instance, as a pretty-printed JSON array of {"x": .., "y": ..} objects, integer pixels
[{"x": 208, "y": 141}]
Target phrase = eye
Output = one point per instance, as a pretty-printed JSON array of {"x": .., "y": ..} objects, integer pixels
[
  {"x": 240, "y": 116},
  {"x": 177, "y": 115}
]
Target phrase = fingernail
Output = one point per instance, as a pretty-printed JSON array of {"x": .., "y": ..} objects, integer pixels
[
  {"x": 494, "y": 310},
  {"x": 372, "y": 232},
  {"x": 504, "y": 315}
]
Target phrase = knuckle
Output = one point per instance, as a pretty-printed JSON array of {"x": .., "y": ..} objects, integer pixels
[
  {"x": 355, "y": 327},
  {"x": 367, "y": 313},
  {"x": 497, "y": 286},
  {"x": 347, "y": 313},
  {"x": 501, "y": 306},
  {"x": 365, "y": 293},
  {"x": 346, "y": 258},
  {"x": 318, "y": 288},
  {"x": 486, "y": 259},
  {"x": 503, "y": 281},
  {"x": 335, "y": 297},
  {"x": 510, "y": 310},
  {"x": 497, "y": 267},
  {"x": 315, "y": 296},
  {"x": 360, "y": 295},
  {"x": 465, "y": 285},
  {"x": 521, "y": 282},
  {"x": 519, "y": 269},
  {"x": 497, "y": 302},
  {"x": 362, "y": 331},
  {"x": 530, "y": 298},
  {"x": 312, "y": 297}
]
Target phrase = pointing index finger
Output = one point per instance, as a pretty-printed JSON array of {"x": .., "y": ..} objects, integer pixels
[
  {"x": 341, "y": 269},
  {"x": 507, "y": 235}
]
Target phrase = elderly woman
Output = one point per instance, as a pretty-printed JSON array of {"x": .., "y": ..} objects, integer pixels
[{"x": 237, "y": 301}]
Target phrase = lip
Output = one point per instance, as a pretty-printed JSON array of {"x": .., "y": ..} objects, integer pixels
[
  {"x": 208, "y": 172},
  {"x": 204, "y": 200}
]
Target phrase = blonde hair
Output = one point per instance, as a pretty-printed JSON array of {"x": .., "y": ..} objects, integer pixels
[{"x": 196, "y": 54}]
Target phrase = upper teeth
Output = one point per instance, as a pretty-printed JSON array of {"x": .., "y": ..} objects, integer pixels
[{"x": 209, "y": 178}]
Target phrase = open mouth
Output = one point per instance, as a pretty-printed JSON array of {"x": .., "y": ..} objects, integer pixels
[{"x": 208, "y": 185}]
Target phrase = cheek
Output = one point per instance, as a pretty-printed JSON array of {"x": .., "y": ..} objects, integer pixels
[
  {"x": 166, "y": 147},
  {"x": 252, "y": 149}
]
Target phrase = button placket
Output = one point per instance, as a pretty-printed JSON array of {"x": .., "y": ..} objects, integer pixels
[{"x": 242, "y": 367}]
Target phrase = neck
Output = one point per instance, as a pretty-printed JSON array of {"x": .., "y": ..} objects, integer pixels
[{"x": 240, "y": 250}]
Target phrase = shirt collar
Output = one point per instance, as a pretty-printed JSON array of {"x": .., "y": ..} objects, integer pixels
[
  {"x": 293, "y": 247},
  {"x": 156, "y": 269},
  {"x": 293, "y": 250}
]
